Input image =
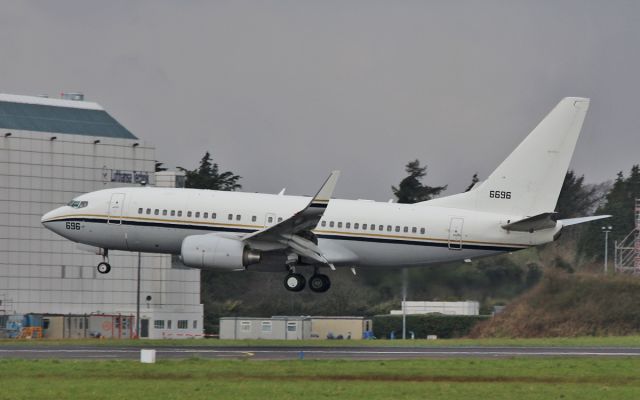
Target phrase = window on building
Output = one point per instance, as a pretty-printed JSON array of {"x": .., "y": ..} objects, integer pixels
[
  {"x": 148, "y": 211},
  {"x": 197, "y": 214},
  {"x": 245, "y": 326},
  {"x": 179, "y": 213},
  {"x": 422, "y": 231},
  {"x": 195, "y": 324},
  {"x": 205, "y": 215},
  {"x": 168, "y": 324},
  {"x": 156, "y": 212},
  {"x": 266, "y": 326},
  {"x": 140, "y": 210},
  {"x": 230, "y": 217},
  {"x": 158, "y": 324},
  {"x": 292, "y": 326},
  {"x": 164, "y": 212},
  {"x": 183, "y": 324},
  {"x": 173, "y": 213},
  {"x": 189, "y": 214}
]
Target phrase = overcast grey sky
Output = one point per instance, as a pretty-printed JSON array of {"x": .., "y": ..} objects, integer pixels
[{"x": 283, "y": 92}]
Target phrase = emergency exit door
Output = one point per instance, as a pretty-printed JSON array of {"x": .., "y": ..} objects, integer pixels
[{"x": 455, "y": 233}]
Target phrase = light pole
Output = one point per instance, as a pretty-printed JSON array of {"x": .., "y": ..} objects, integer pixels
[
  {"x": 404, "y": 303},
  {"x": 138, "y": 299},
  {"x": 606, "y": 230}
]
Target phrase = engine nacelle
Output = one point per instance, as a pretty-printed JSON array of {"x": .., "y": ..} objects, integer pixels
[{"x": 217, "y": 252}]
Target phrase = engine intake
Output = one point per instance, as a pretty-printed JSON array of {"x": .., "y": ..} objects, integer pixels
[{"x": 217, "y": 252}]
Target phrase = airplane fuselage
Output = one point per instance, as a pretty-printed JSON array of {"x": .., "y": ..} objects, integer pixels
[{"x": 353, "y": 233}]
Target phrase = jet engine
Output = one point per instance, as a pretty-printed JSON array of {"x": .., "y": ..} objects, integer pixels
[{"x": 217, "y": 252}]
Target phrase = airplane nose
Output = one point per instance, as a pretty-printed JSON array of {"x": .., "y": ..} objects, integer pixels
[{"x": 46, "y": 219}]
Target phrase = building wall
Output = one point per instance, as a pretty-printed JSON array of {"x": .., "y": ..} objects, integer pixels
[
  {"x": 252, "y": 328},
  {"x": 41, "y": 272},
  {"x": 347, "y": 327}
]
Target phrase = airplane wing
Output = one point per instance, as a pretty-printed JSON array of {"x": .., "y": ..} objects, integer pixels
[{"x": 288, "y": 232}]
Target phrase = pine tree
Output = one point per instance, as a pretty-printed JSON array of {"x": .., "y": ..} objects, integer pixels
[
  {"x": 411, "y": 190},
  {"x": 208, "y": 176},
  {"x": 474, "y": 180}
]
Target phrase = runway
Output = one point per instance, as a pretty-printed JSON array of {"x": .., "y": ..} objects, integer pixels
[{"x": 109, "y": 352}]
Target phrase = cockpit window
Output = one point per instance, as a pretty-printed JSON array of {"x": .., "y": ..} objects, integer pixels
[{"x": 78, "y": 204}]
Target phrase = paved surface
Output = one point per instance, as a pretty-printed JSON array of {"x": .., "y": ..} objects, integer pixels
[{"x": 107, "y": 352}]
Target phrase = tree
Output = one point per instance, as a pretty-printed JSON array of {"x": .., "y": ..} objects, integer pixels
[
  {"x": 208, "y": 176},
  {"x": 159, "y": 166},
  {"x": 474, "y": 180},
  {"x": 576, "y": 199},
  {"x": 411, "y": 190}
]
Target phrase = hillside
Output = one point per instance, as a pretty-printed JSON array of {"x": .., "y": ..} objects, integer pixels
[{"x": 564, "y": 304}]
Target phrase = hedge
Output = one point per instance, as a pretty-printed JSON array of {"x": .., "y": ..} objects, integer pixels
[{"x": 443, "y": 326}]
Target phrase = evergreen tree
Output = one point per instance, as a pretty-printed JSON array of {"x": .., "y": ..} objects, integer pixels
[
  {"x": 208, "y": 176},
  {"x": 620, "y": 204},
  {"x": 576, "y": 199},
  {"x": 159, "y": 167},
  {"x": 411, "y": 190},
  {"x": 474, "y": 180}
]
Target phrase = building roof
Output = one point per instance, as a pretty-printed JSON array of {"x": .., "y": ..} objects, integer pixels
[{"x": 40, "y": 114}]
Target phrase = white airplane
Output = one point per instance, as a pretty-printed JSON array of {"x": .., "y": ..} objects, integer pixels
[{"x": 513, "y": 209}]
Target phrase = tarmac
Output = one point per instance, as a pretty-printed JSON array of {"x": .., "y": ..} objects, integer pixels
[{"x": 109, "y": 352}]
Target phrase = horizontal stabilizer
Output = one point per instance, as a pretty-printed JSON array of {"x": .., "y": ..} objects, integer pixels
[
  {"x": 576, "y": 221},
  {"x": 531, "y": 224}
]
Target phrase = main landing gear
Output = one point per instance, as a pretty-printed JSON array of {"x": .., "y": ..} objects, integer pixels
[
  {"x": 104, "y": 266},
  {"x": 318, "y": 283}
]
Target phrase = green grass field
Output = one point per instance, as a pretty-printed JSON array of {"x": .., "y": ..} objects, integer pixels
[
  {"x": 590, "y": 341},
  {"x": 517, "y": 378}
]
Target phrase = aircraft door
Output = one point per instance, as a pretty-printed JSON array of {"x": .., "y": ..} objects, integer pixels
[
  {"x": 116, "y": 206},
  {"x": 455, "y": 233}
]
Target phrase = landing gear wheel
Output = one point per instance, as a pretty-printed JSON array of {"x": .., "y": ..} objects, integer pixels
[
  {"x": 104, "y": 268},
  {"x": 319, "y": 283},
  {"x": 294, "y": 282}
]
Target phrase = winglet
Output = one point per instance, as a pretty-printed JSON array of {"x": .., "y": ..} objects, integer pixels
[{"x": 321, "y": 199}]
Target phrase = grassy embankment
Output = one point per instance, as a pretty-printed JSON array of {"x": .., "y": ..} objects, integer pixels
[{"x": 530, "y": 378}]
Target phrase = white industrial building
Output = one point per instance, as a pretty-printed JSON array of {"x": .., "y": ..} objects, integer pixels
[{"x": 52, "y": 150}]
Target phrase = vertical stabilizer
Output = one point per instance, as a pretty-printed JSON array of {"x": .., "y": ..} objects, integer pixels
[{"x": 528, "y": 182}]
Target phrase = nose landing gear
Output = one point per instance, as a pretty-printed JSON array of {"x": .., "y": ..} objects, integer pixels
[{"x": 104, "y": 266}]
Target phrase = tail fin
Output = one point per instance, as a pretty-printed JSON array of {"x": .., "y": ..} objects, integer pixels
[{"x": 528, "y": 182}]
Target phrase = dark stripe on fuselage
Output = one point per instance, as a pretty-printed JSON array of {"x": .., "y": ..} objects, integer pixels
[{"x": 322, "y": 236}]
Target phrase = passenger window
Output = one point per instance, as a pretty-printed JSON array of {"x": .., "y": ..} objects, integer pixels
[
  {"x": 197, "y": 214},
  {"x": 414, "y": 230},
  {"x": 148, "y": 211},
  {"x": 348, "y": 225},
  {"x": 254, "y": 218},
  {"x": 156, "y": 212},
  {"x": 205, "y": 215},
  {"x": 179, "y": 213},
  {"x": 238, "y": 217},
  {"x": 381, "y": 227},
  {"x": 279, "y": 219},
  {"x": 213, "y": 215},
  {"x": 270, "y": 219},
  {"x": 189, "y": 214},
  {"x": 339, "y": 224},
  {"x": 230, "y": 217},
  {"x": 356, "y": 225},
  {"x": 406, "y": 229},
  {"x": 422, "y": 230},
  {"x": 164, "y": 212},
  {"x": 388, "y": 228},
  {"x": 139, "y": 210},
  {"x": 364, "y": 227},
  {"x": 323, "y": 223},
  {"x": 397, "y": 228},
  {"x": 331, "y": 224},
  {"x": 173, "y": 213}
]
